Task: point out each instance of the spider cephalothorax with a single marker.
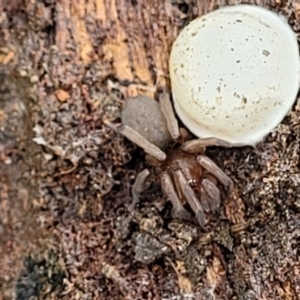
(186, 174)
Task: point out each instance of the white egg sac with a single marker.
(235, 73)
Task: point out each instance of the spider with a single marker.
(186, 174)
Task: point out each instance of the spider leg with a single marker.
(168, 112)
(204, 199)
(212, 168)
(199, 145)
(168, 188)
(213, 193)
(190, 196)
(139, 140)
(138, 187)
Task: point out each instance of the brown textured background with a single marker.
(66, 68)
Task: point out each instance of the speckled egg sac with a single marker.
(235, 73)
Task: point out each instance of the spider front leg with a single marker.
(210, 194)
(212, 168)
(138, 187)
(190, 196)
(178, 211)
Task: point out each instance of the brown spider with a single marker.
(187, 175)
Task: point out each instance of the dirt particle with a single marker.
(62, 95)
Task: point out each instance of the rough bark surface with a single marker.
(66, 68)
